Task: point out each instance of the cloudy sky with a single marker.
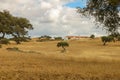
(53, 17)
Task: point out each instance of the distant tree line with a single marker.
(17, 27)
(48, 38)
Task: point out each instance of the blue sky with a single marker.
(77, 3)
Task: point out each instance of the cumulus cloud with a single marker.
(50, 17)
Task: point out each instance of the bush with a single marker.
(106, 39)
(63, 45)
(44, 38)
(4, 41)
(92, 36)
(58, 38)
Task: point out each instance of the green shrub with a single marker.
(63, 45)
(92, 36)
(45, 37)
(58, 38)
(4, 41)
(106, 39)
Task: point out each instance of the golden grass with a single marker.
(84, 60)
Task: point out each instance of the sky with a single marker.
(77, 3)
(53, 17)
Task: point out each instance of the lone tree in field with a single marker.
(63, 45)
(17, 27)
(92, 36)
(106, 39)
(105, 12)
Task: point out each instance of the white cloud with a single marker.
(50, 17)
(45, 5)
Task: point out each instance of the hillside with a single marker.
(84, 60)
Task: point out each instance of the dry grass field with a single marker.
(84, 59)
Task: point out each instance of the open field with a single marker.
(84, 60)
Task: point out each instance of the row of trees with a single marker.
(48, 38)
(109, 38)
(17, 27)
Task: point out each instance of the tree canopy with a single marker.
(92, 36)
(106, 12)
(63, 45)
(106, 39)
(15, 26)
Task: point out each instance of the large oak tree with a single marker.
(106, 12)
(15, 26)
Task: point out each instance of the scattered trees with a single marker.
(48, 38)
(63, 45)
(44, 38)
(17, 27)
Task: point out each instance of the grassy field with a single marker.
(84, 59)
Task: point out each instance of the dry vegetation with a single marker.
(84, 60)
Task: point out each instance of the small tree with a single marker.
(106, 39)
(92, 36)
(63, 45)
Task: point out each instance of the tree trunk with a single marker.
(3, 36)
(63, 49)
(16, 38)
(104, 43)
(17, 41)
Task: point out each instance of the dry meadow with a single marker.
(84, 59)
